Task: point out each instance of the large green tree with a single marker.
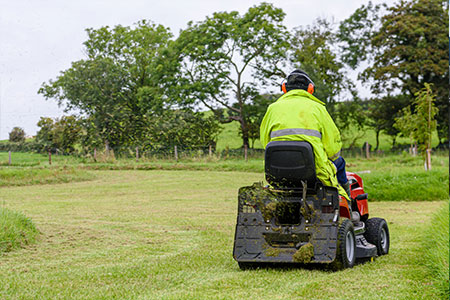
(123, 80)
(314, 51)
(408, 47)
(228, 58)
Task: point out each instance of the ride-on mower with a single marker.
(297, 219)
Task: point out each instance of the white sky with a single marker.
(40, 38)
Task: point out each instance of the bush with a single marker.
(16, 230)
(17, 135)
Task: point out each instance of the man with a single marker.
(299, 116)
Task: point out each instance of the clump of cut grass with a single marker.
(32, 176)
(304, 254)
(436, 250)
(16, 230)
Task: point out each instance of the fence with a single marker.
(177, 152)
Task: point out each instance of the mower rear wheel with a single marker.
(377, 233)
(346, 246)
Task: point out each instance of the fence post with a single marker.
(367, 150)
(10, 162)
(428, 161)
(95, 154)
(176, 152)
(245, 152)
(137, 154)
(49, 157)
(210, 151)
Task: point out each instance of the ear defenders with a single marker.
(283, 87)
(310, 88)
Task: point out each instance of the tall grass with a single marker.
(16, 230)
(436, 250)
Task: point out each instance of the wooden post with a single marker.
(367, 150)
(10, 162)
(245, 153)
(210, 151)
(95, 154)
(176, 153)
(137, 154)
(49, 157)
(428, 161)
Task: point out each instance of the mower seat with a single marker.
(288, 163)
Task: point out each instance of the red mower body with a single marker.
(357, 193)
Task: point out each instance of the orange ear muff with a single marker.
(310, 88)
(283, 87)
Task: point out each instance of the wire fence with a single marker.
(177, 153)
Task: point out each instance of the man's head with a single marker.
(298, 79)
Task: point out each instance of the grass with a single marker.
(21, 159)
(169, 235)
(16, 230)
(32, 176)
(402, 177)
(391, 177)
(436, 250)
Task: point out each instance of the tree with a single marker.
(254, 112)
(122, 81)
(44, 136)
(356, 33)
(59, 134)
(410, 49)
(66, 133)
(182, 128)
(314, 52)
(421, 124)
(382, 113)
(17, 135)
(219, 51)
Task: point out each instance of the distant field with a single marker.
(230, 138)
(169, 235)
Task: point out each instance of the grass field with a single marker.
(230, 138)
(387, 178)
(169, 235)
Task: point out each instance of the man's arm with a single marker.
(331, 137)
(264, 129)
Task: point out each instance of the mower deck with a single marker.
(277, 226)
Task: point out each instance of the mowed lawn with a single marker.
(169, 235)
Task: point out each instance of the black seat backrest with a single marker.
(287, 163)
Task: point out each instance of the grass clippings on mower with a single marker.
(304, 254)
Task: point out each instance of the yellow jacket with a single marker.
(299, 116)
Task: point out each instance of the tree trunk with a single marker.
(245, 139)
(378, 139)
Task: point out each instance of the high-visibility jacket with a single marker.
(299, 116)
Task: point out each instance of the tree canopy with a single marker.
(218, 51)
(406, 46)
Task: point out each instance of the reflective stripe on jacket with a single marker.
(299, 116)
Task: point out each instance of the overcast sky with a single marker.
(40, 38)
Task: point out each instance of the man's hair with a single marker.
(298, 79)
